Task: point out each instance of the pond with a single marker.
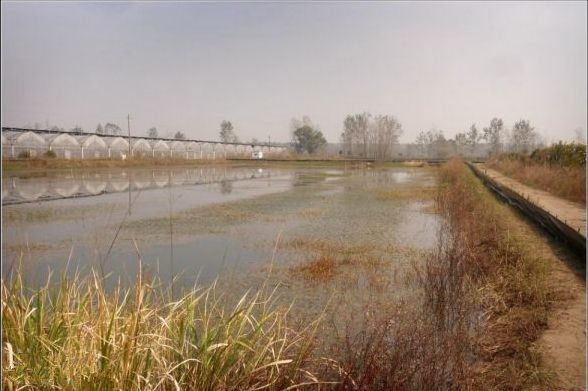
(197, 225)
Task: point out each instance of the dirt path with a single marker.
(563, 343)
(572, 213)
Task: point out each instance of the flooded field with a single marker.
(199, 224)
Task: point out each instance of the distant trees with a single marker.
(99, 129)
(473, 137)
(77, 129)
(494, 134)
(523, 137)
(112, 129)
(226, 133)
(179, 136)
(152, 132)
(306, 136)
(355, 134)
(369, 136)
(433, 143)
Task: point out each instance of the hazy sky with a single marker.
(188, 66)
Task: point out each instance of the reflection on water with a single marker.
(197, 223)
(17, 190)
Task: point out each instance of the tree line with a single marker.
(522, 138)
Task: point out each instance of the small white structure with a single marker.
(257, 155)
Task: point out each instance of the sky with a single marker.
(188, 66)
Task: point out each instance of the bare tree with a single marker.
(473, 138)
(112, 129)
(461, 141)
(356, 133)
(494, 134)
(179, 136)
(152, 132)
(523, 137)
(580, 136)
(226, 133)
(384, 133)
(99, 129)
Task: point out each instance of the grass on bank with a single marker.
(565, 182)
(78, 336)
(483, 302)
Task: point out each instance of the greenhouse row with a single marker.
(66, 146)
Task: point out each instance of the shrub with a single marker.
(50, 154)
(24, 155)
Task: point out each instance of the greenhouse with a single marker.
(117, 147)
(64, 146)
(208, 151)
(161, 149)
(178, 149)
(93, 147)
(192, 150)
(23, 145)
(141, 148)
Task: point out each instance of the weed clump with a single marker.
(78, 337)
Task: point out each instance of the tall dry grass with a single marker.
(78, 336)
(483, 302)
(565, 182)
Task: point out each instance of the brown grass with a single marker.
(49, 164)
(565, 182)
(484, 302)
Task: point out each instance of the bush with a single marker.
(24, 155)
(561, 154)
(50, 154)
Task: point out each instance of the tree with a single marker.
(473, 137)
(307, 138)
(461, 140)
(356, 133)
(179, 136)
(433, 143)
(580, 136)
(383, 133)
(493, 134)
(152, 132)
(112, 129)
(226, 133)
(77, 129)
(99, 129)
(523, 137)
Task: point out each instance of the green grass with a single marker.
(78, 336)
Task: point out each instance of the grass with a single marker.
(78, 336)
(565, 182)
(480, 301)
(55, 163)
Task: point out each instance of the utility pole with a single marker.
(129, 129)
(269, 143)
